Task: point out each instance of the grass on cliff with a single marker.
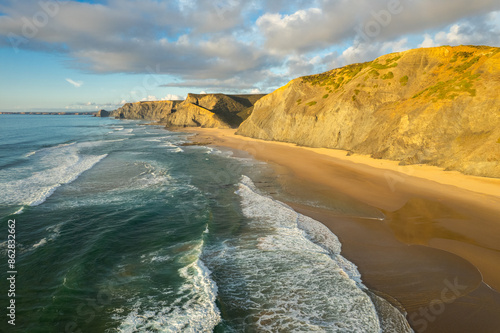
(449, 89)
(404, 80)
(460, 78)
(388, 76)
(389, 63)
(466, 65)
(464, 55)
(337, 78)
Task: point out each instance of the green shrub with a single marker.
(467, 65)
(356, 92)
(326, 96)
(404, 80)
(388, 76)
(380, 66)
(312, 103)
(449, 89)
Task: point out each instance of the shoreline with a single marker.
(439, 229)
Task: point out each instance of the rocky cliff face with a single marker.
(146, 110)
(213, 110)
(208, 110)
(439, 106)
(103, 114)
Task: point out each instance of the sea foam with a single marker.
(53, 167)
(192, 311)
(285, 271)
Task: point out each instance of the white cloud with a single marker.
(153, 98)
(89, 106)
(466, 33)
(428, 41)
(395, 46)
(76, 84)
(363, 52)
(372, 21)
(150, 98)
(171, 97)
(239, 45)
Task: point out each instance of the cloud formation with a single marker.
(76, 84)
(237, 44)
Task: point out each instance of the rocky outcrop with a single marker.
(213, 110)
(146, 110)
(103, 114)
(438, 106)
(207, 110)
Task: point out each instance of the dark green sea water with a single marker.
(119, 228)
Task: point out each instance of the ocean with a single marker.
(121, 228)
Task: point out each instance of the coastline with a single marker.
(440, 231)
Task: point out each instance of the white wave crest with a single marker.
(58, 165)
(287, 271)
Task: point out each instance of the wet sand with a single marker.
(429, 241)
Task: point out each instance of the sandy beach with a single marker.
(433, 248)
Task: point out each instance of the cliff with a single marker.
(198, 110)
(213, 110)
(102, 114)
(146, 110)
(438, 106)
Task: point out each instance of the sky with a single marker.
(91, 55)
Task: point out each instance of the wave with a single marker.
(19, 211)
(49, 148)
(54, 232)
(172, 148)
(31, 153)
(56, 166)
(177, 150)
(193, 309)
(117, 140)
(286, 270)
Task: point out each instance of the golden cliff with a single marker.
(146, 110)
(439, 106)
(202, 110)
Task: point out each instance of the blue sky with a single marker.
(88, 55)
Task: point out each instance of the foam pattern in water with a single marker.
(284, 273)
(51, 168)
(193, 309)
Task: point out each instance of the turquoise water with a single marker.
(119, 228)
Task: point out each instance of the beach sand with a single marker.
(430, 240)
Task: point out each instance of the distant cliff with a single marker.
(103, 114)
(203, 110)
(146, 110)
(439, 106)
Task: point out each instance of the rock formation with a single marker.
(439, 106)
(207, 110)
(213, 110)
(146, 110)
(103, 114)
